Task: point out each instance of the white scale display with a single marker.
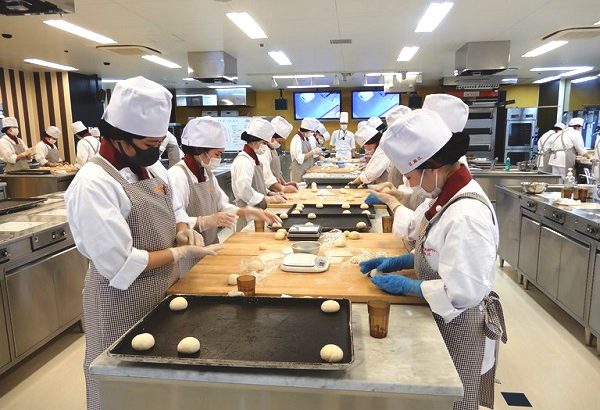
(304, 263)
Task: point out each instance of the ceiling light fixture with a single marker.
(597, 23)
(247, 24)
(291, 77)
(161, 61)
(433, 16)
(407, 53)
(280, 57)
(49, 64)
(110, 80)
(545, 48)
(577, 71)
(231, 86)
(192, 95)
(584, 79)
(309, 86)
(510, 80)
(79, 31)
(547, 79)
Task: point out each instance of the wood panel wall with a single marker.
(38, 100)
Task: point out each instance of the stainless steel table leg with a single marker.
(501, 262)
(520, 277)
(589, 337)
(525, 283)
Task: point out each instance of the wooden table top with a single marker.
(342, 280)
(332, 169)
(307, 196)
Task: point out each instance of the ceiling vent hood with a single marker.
(213, 67)
(482, 58)
(27, 7)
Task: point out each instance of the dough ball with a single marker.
(347, 187)
(282, 230)
(295, 212)
(276, 225)
(234, 293)
(309, 224)
(346, 211)
(366, 212)
(343, 191)
(330, 306)
(283, 216)
(361, 225)
(256, 265)
(232, 279)
(279, 235)
(312, 216)
(364, 206)
(142, 342)
(346, 233)
(314, 190)
(340, 243)
(263, 246)
(329, 187)
(178, 303)
(345, 206)
(373, 273)
(354, 235)
(313, 185)
(188, 345)
(319, 206)
(332, 353)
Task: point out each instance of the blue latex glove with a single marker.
(387, 265)
(373, 200)
(398, 284)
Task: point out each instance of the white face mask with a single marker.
(275, 145)
(261, 150)
(344, 127)
(213, 163)
(308, 134)
(420, 191)
(14, 132)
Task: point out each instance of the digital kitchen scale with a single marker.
(304, 232)
(304, 263)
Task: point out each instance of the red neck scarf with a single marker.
(116, 159)
(248, 150)
(48, 144)
(454, 183)
(301, 135)
(193, 166)
(13, 139)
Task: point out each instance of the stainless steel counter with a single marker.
(27, 186)
(488, 179)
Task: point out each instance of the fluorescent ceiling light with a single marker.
(291, 77)
(597, 23)
(555, 68)
(110, 80)
(309, 86)
(545, 48)
(79, 31)
(160, 61)
(407, 53)
(509, 80)
(584, 79)
(577, 71)
(547, 79)
(413, 73)
(247, 24)
(230, 86)
(49, 64)
(280, 57)
(373, 85)
(433, 16)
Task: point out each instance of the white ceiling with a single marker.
(378, 29)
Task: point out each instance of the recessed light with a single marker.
(79, 31)
(309, 86)
(299, 76)
(49, 64)
(555, 68)
(110, 80)
(584, 79)
(433, 16)
(407, 53)
(547, 79)
(247, 24)
(280, 57)
(231, 86)
(160, 61)
(553, 45)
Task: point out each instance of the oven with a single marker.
(521, 130)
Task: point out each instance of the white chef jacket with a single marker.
(41, 151)
(242, 172)
(97, 209)
(543, 139)
(572, 140)
(313, 141)
(296, 150)
(347, 144)
(87, 147)
(181, 190)
(378, 164)
(7, 149)
(265, 160)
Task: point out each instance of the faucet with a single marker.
(493, 163)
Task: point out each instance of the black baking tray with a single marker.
(331, 209)
(343, 222)
(30, 172)
(263, 332)
(8, 206)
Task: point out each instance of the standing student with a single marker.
(301, 150)
(543, 156)
(87, 144)
(343, 140)
(13, 150)
(270, 158)
(565, 146)
(46, 151)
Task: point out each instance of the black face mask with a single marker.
(143, 157)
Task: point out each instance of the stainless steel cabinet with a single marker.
(69, 269)
(595, 304)
(4, 348)
(572, 282)
(529, 246)
(509, 218)
(549, 260)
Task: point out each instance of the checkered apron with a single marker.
(465, 335)
(276, 164)
(109, 312)
(21, 164)
(298, 170)
(258, 184)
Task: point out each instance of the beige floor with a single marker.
(545, 358)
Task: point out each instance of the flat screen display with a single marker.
(320, 105)
(367, 104)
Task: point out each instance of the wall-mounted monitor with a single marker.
(319, 105)
(367, 104)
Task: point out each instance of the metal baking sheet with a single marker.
(343, 222)
(285, 333)
(8, 206)
(30, 172)
(331, 209)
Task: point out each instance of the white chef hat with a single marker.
(204, 132)
(78, 126)
(309, 124)
(260, 128)
(559, 125)
(53, 132)
(281, 126)
(139, 106)
(344, 117)
(361, 124)
(323, 131)
(9, 122)
(576, 121)
(95, 131)
(375, 122)
(415, 139)
(364, 134)
(396, 113)
(453, 110)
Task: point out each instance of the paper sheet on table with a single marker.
(54, 212)
(18, 226)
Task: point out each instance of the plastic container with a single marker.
(247, 284)
(507, 164)
(379, 314)
(311, 247)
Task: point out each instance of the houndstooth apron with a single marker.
(465, 335)
(276, 165)
(298, 170)
(109, 312)
(258, 184)
(53, 155)
(21, 164)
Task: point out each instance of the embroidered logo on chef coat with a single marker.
(428, 251)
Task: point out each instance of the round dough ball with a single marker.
(373, 273)
(361, 225)
(295, 212)
(340, 243)
(347, 211)
(343, 191)
(276, 225)
(309, 224)
(188, 345)
(142, 342)
(366, 212)
(319, 206)
(232, 279)
(279, 235)
(330, 306)
(263, 246)
(347, 187)
(178, 303)
(346, 233)
(345, 206)
(329, 187)
(256, 265)
(332, 353)
(313, 185)
(354, 235)
(283, 216)
(282, 230)
(364, 206)
(235, 292)
(312, 216)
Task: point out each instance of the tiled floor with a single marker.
(545, 358)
